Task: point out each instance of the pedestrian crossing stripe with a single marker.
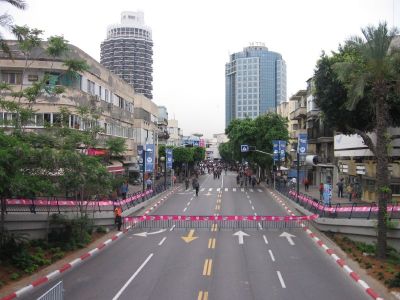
(242, 189)
(218, 189)
(210, 189)
(202, 190)
(251, 190)
(234, 189)
(226, 189)
(260, 190)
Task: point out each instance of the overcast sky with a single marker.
(193, 40)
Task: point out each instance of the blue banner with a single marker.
(168, 152)
(279, 149)
(140, 157)
(149, 158)
(302, 143)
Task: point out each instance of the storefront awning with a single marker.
(116, 167)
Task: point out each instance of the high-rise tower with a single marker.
(255, 82)
(128, 52)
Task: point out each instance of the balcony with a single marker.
(299, 113)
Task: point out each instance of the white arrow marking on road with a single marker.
(289, 237)
(241, 234)
(145, 234)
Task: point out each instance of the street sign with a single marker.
(244, 148)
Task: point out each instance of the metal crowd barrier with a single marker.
(340, 210)
(217, 222)
(55, 205)
(55, 293)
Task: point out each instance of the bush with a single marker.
(57, 255)
(101, 229)
(366, 248)
(68, 234)
(394, 282)
(14, 276)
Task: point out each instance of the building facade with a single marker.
(120, 111)
(175, 133)
(255, 83)
(128, 52)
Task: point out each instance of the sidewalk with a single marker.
(313, 191)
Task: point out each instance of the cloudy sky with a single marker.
(193, 40)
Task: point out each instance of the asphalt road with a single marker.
(214, 265)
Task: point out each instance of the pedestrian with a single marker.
(118, 217)
(321, 190)
(306, 184)
(124, 189)
(349, 191)
(253, 181)
(187, 182)
(148, 183)
(340, 188)
(196, 185)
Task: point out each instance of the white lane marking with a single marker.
(265, 239)
(250, 201)
(132, 277)
(256, 215)
(191, 199)
(234, 189)
(272, 255)
(281, 280)
(259, 225)
(248, 197)
(188, 203)
(185, 209)
(226, 189)
(162, 241)
(172, 228)
(252, 207)
(210, 189)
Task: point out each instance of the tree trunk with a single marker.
(2, 221)
(382, 173)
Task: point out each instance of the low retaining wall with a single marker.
(362, 230)
(34, 226)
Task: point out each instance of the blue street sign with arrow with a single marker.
(244, 148)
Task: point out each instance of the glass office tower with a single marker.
(255, 83)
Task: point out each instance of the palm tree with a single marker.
(6, 21)
(374, 77)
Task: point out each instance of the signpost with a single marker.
(244, 148)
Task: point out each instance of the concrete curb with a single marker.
(76, 262)
(341, 262)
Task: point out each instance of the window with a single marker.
(100, 92)
(90, 87)
(33, 77)
(47, 118)
(395, 189)
(106, 96)
(12, 77)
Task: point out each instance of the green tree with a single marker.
(357, 89)
(6, 22)
(198, 154)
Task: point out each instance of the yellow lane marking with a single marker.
(190, 236)
(214, 227)
(207, 267)
(202, 295)
(211, 243)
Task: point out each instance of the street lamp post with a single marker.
(162, 158)
(144, 167)
(298, 173)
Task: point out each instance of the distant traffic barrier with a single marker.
(217, 222)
